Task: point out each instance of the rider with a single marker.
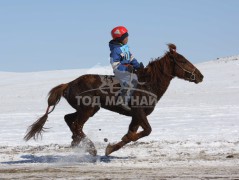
(123, 63)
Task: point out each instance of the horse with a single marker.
(156, 78)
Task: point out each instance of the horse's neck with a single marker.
(162, 89)
(163, 78)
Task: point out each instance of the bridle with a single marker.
(192, 74)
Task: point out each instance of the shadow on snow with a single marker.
(69, 159)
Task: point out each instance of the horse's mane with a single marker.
(155, 69)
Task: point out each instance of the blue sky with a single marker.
(51, 35)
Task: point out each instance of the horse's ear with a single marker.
(172, 48)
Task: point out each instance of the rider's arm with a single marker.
(115, 60)
(134, 62)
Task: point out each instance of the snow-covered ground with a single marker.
(195, 130)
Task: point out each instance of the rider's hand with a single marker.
(130, 68)
(141, 65)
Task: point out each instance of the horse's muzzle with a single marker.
(198, 76)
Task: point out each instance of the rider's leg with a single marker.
(128, 82)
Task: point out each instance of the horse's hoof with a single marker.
(89, 146)
(74, 144)
(92, 152)
(108, 150)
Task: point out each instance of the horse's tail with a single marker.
(37, 127)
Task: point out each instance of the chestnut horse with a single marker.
(156, 77)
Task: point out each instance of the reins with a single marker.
(192, 77)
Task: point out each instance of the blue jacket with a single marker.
(120, 56)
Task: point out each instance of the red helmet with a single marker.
(118, 31)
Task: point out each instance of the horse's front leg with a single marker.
(115, 147)
(132, 134)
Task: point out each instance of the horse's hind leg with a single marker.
(76, 123)
(71, 121)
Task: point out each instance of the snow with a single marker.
(194, 126)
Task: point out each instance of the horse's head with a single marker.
(181, 67)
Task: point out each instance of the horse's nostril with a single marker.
(201, 77)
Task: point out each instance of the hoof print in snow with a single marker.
(230, 156)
